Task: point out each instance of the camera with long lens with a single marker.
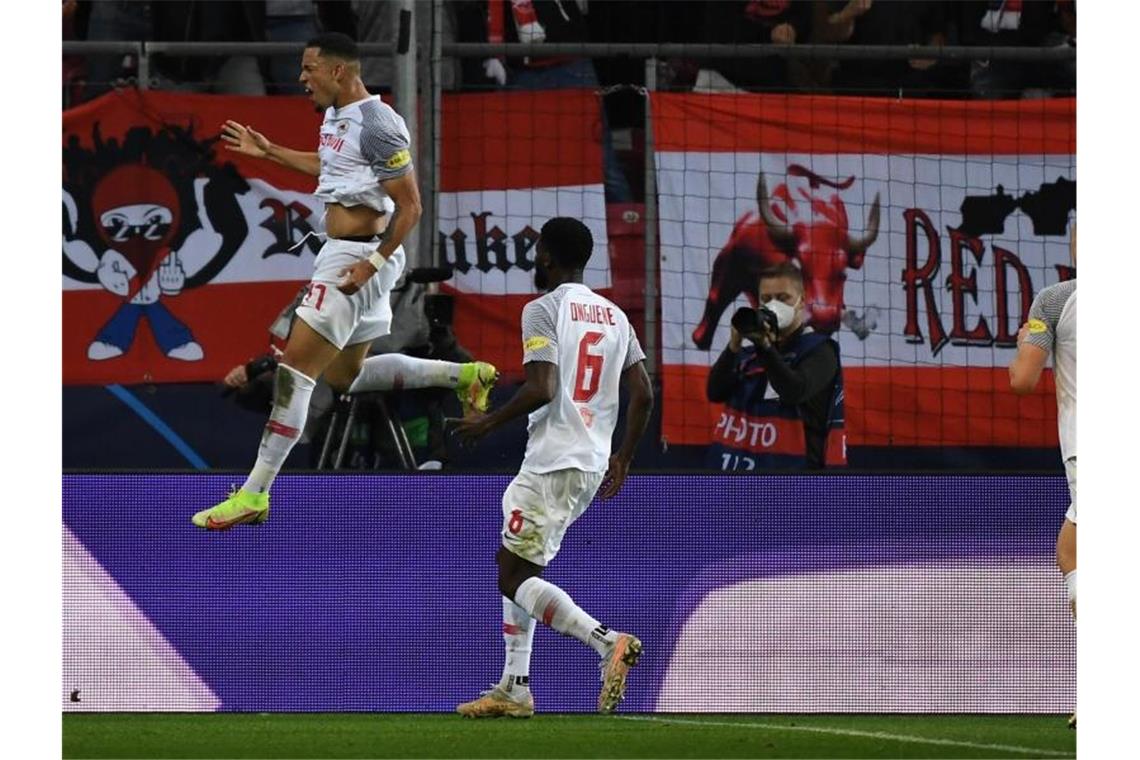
(749, 321)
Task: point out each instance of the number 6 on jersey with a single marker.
(588, 376)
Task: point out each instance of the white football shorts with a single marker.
(539, 507)
(365, 315)
(1071, 475)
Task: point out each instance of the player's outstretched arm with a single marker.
(636, 381)
(244, 139)
(539, 388)
(1025, 369)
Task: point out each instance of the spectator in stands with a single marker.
(287, 21)
(118, 20)
(537, 22)
(862, 22)
(783, 394)
(300, 21)
(751, 22)
(1010, 23)
(380, 23)
(74, 66)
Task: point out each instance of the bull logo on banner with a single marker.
(811, 230)
(146, 219)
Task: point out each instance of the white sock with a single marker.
(1071, 589)
(291, 392)
(554, 607)
(518, 635)
(387, 372)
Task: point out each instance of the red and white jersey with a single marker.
(361, 145)
(591, 343)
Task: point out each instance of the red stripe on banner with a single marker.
(502, 140)
(826, 124)
(510, 629)
(894, 406)
(230, 323)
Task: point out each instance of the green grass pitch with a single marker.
(362, 735)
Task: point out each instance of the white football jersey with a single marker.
(360, 146)
(591, 343)
(1053, 327)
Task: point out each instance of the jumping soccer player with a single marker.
(577, 347)
(372, 202)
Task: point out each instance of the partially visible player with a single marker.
(578, 347)
(372, 202)
(1052, 329)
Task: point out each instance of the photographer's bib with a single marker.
(756, 432)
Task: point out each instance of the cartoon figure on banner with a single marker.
(147, 206)
(811, 231)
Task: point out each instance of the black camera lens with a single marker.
(746, 320)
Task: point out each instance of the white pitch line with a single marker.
(855, 732)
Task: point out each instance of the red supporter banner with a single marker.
(511, 161)
(923, 229)
(178, 254)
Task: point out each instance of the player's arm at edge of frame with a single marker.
(1026, 367)
(636, 381)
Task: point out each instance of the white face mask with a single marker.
(785, 314)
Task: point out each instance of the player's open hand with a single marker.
(472, 428)
(614, 477)
(353, 278)
(245, 139)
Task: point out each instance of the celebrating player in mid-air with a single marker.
(372, 202)
(577, 348)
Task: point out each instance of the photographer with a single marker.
(783, 394)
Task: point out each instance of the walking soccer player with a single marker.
(577, 348)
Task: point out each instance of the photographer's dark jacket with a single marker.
(783, 407)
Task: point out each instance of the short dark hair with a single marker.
(569, 242)
(336, 45)
(788, 270)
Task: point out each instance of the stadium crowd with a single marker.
(1032, 23)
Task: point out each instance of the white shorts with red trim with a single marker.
(539, 507)
(365, 315)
